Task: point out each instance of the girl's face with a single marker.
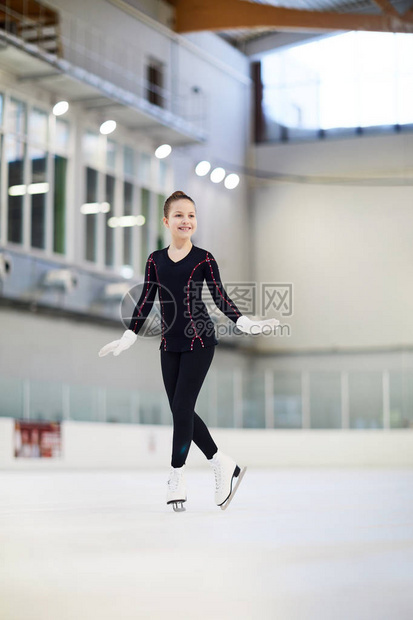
(181, 220)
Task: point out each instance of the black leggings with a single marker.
(183, 375)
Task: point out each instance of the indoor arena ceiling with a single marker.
(244, 23)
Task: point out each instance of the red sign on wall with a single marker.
(37, 439)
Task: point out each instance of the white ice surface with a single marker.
(293, 545)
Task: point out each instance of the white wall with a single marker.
(346, 249)
(103, 446)
(42, 348)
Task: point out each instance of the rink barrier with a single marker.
(88, 445)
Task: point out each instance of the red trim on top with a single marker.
(212, 274)
(189, 309)
(150, 259)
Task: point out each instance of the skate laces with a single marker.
(217, 472)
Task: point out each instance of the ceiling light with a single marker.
(17, 190)
(107, 127)
(60, 108)
(203, 168)
(231, 181)
(217, 175)
(89, 208)
(38, 188)
(163, 151)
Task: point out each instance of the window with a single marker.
(145, 205)
(38, 190)
(109, 231)
(90, 148)
(62, 135)
(128, 161)
(16, 117)
(160, 227)
(91, 218)
(145, 169)
(111, 153)
(162, 174)
(154, 79)
(357, 79)
(61, 148)
(38, 121)
(15, 156)
(36, 150)
(59, 204)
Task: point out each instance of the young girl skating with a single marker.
(188, 341)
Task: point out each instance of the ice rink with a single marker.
(293, 545)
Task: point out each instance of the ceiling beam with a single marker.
(196, 15)
(387, 7)
(260, 45)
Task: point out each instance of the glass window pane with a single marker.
(401, 399)
(160, 227)
(11, 398)
(118, 406)
(46, 401)
(84, 403)
(253, 399)
(325, 400)
(163, 170)
(348, 80)
(16, 116)
(405, 99)
(109, 231)
(128, 230)
(366, 399)
(287, 400)
(15, 153)
(145, 169)
(145, 201)
(128, 161)
(62, 135)
(91, 218)
(2, 206)
(111, 152)
(38, 121)
(377, 101)
(38, 190)
(150, 408)
(59, 205)
(339, 104)
(225, 398)
(90, 148)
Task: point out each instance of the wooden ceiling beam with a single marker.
(215, 15)
(387, 7)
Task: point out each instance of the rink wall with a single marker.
(87, 445)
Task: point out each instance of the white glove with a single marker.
(117, 346)
(248, 326)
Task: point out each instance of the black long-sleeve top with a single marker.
(185, 321)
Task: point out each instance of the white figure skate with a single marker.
(176, 494)
(225, 470)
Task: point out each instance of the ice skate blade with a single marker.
(178, 506)
(225, 505)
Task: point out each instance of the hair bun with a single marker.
(178, 195)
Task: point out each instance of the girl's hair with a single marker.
(175, 196)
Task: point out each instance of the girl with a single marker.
(187, 343)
